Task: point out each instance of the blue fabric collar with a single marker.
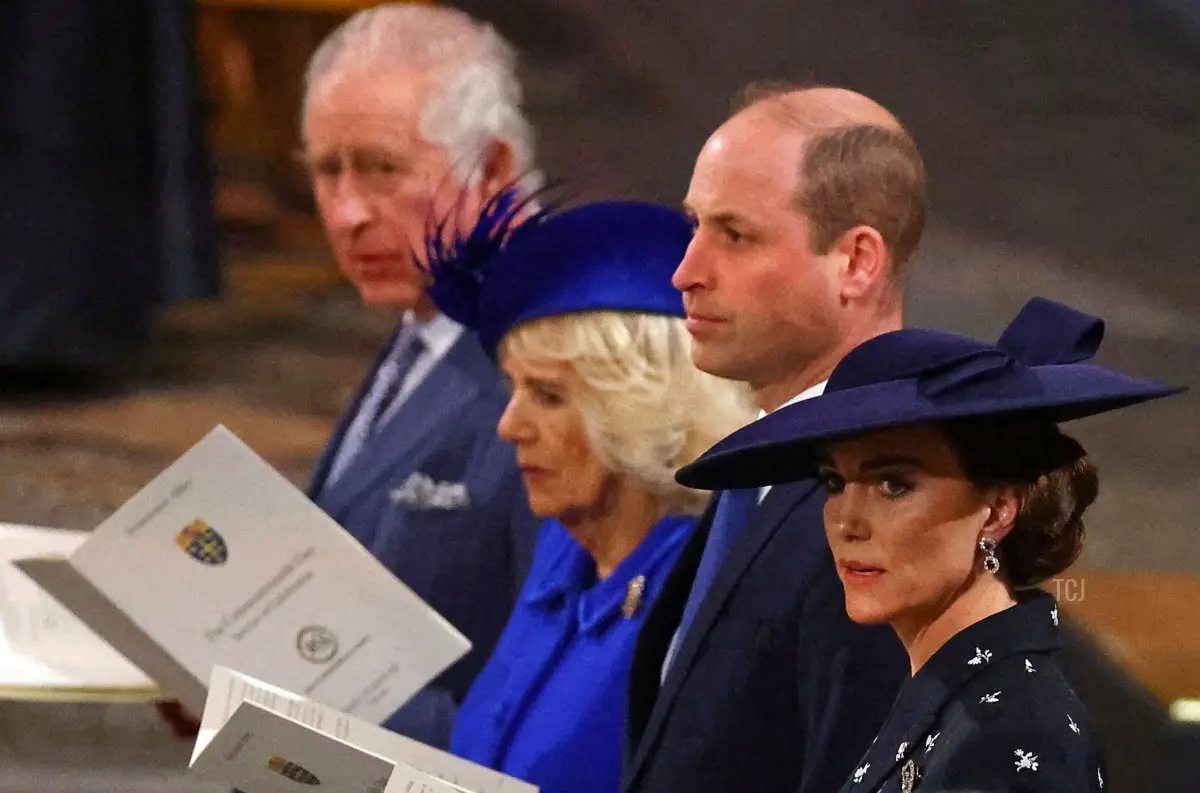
(570, 581)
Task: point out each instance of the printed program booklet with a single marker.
(221, 560)
(259, 738)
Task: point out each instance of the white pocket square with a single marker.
(424, 493)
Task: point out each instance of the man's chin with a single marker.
(386, 298)
(716, 363)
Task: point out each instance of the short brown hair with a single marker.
(856, 174)
(1054, 477)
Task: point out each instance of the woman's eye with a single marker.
(894, 488)
(548, 398)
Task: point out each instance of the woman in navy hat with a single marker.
(952, 494)
(578, 308)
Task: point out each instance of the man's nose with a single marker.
(349, 210)
(691, 271)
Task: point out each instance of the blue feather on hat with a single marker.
(457, 263)
(520, 261)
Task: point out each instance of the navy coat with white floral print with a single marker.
(990, 712)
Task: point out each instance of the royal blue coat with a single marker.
(550, 705)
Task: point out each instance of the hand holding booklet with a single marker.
(221, 560)
(262, 739)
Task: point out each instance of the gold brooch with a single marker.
(633, 597)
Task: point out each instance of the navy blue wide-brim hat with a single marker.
(515, 265)
(921, 376)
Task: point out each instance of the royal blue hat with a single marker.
(509, 269)
(920, 376)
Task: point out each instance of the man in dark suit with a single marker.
(748, 674)
(412, 112)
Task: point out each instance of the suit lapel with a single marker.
(766, 520)
(906, 734)
(654, 639)
(330, 452)
(448, 387)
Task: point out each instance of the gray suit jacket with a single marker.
(467, 556)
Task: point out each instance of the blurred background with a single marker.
(179, 279)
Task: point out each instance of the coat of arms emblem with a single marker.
(292, 771)
(202, 542)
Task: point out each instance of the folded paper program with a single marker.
(221, 560)
(261, 738)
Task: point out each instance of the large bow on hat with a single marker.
(1044, 333)
(917, 376)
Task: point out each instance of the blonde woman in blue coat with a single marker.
(578, 308)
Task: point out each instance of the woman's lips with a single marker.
(858, 573)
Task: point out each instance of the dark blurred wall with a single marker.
(105, 197)
(1179, 19)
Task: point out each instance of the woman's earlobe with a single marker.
(1003, 514)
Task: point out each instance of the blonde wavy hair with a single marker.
(646, 409)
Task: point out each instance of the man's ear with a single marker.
(461, 203)
(865, 261)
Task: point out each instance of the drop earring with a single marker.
(991, 562)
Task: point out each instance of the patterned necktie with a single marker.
(396, 375)
(732, 514)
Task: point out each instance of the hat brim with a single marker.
(786, 446)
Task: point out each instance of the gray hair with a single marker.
(476, 97)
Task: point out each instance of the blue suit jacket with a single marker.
(990, 712)
(468, 563)
(773, 688)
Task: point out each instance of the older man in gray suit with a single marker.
(412, 112)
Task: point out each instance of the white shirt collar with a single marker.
(808, 393)
(438, 333)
